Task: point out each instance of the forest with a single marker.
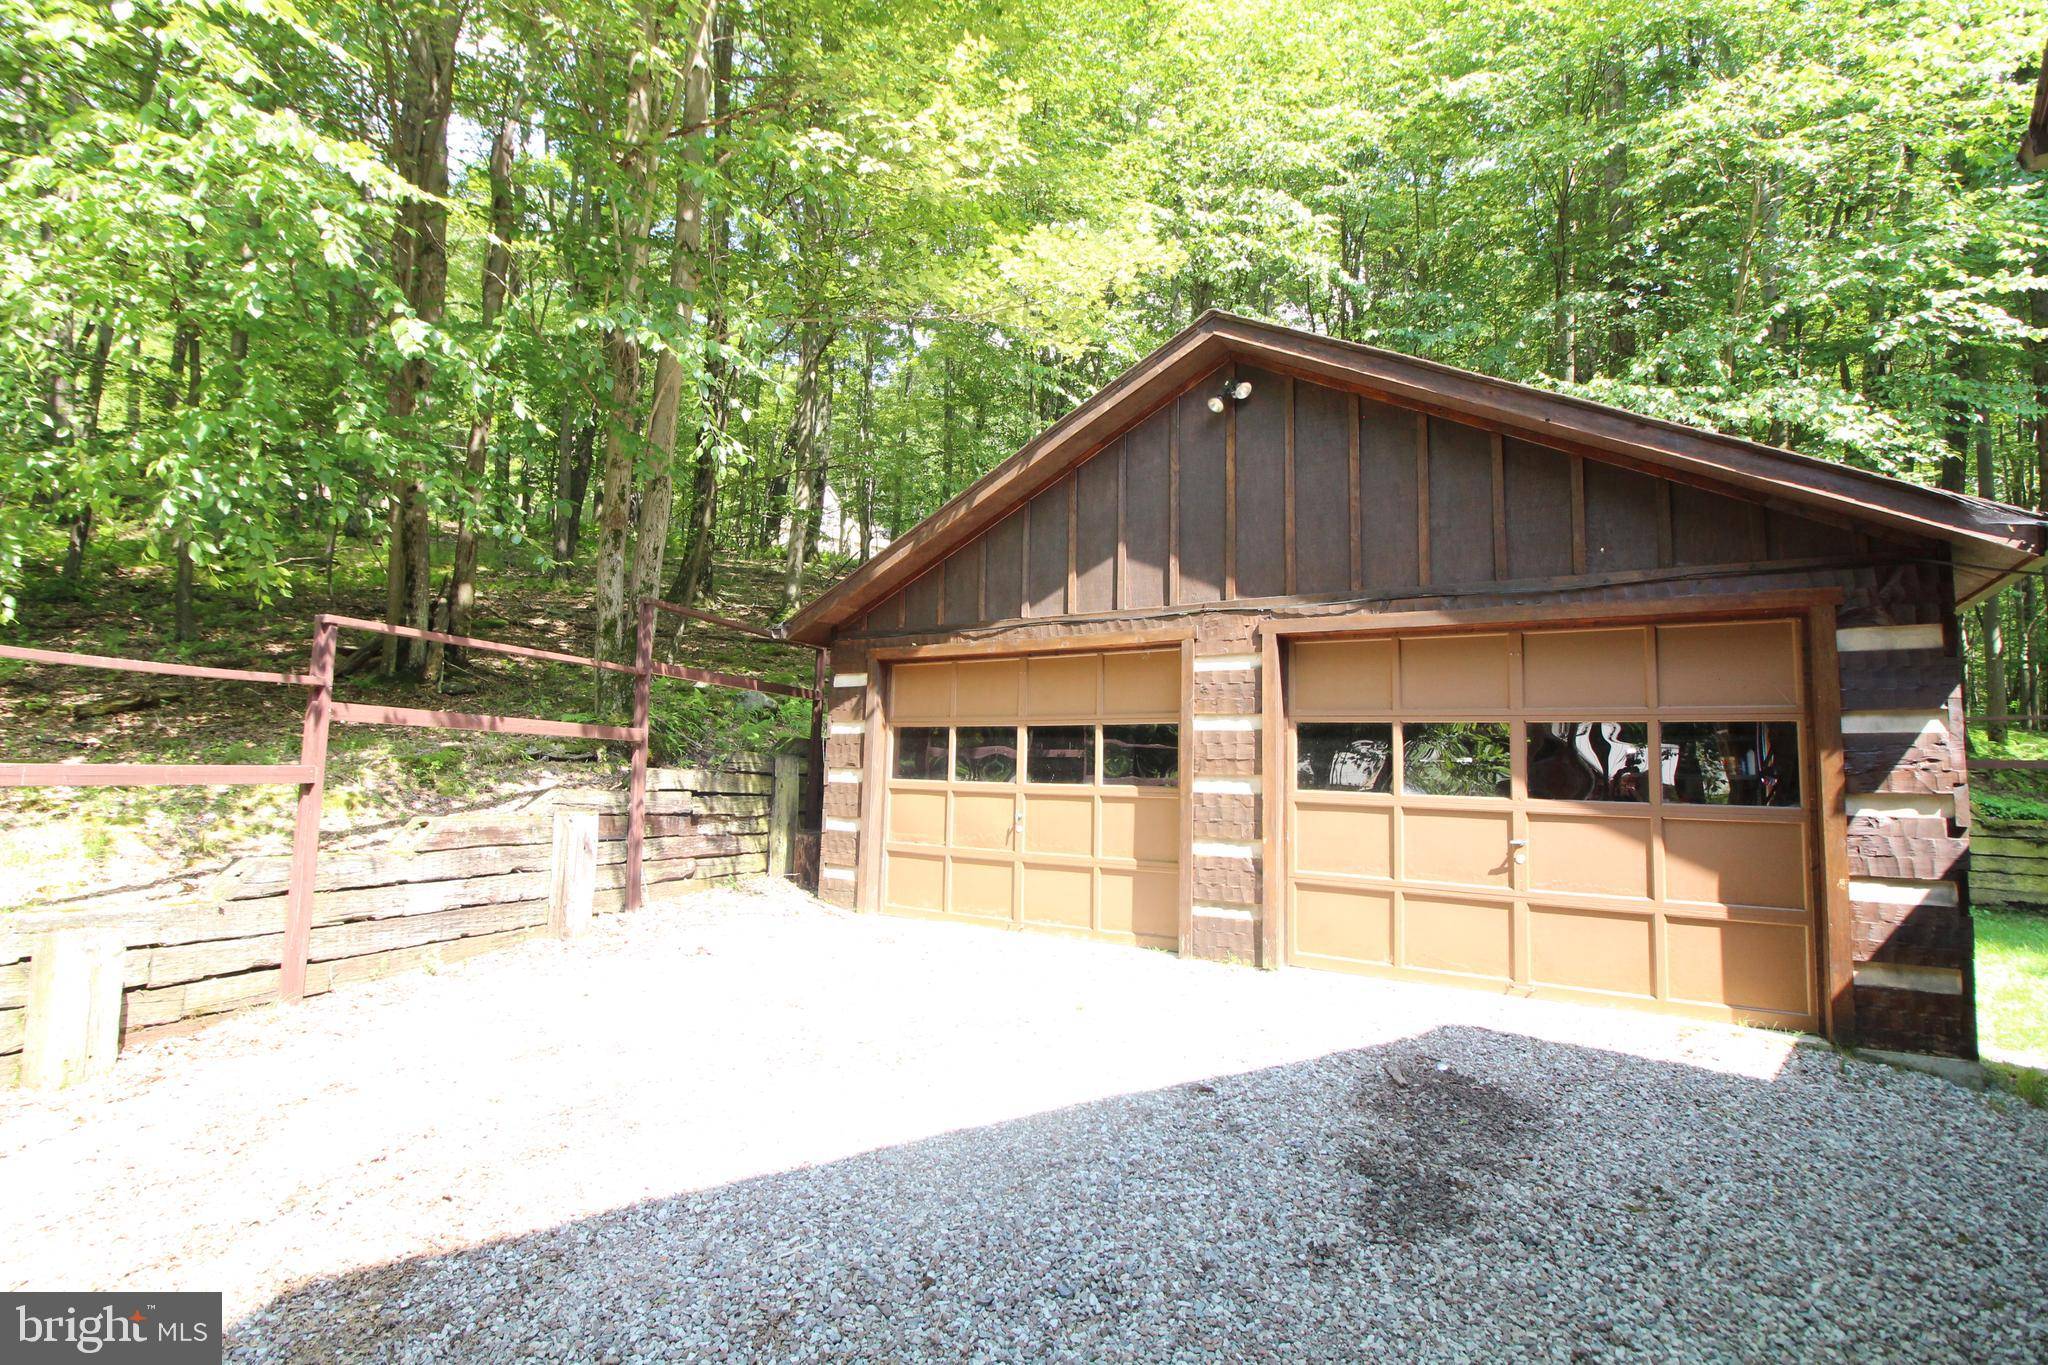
(620, 292)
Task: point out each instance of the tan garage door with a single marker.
(1485, 809)
(1039, 792)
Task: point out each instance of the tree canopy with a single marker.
(642, 279)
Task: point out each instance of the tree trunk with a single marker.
(476, 452)
(80, 530)
(419, 264)
(1990, 616)
(622, 353)
(650, 537)
(809, 429)
(186, 628)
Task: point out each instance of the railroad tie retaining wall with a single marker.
(2009, 863)
(438, 891)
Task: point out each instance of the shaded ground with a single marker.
(746, 1126)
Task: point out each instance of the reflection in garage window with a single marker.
(1731, 763)
(1061, 753)
(985, 753)
(1344, 758)
(1455, 758)
(1141, 755)
(1589, 760)
(921, 753)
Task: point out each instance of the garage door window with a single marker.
(1141, 755)
(921, 753)
(1061, 753)
(1732, 763)
(1345, 758)
(1455, 758)
(985, 753)
(1589, 760)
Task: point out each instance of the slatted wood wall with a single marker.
(1302, 490)
(442, 891)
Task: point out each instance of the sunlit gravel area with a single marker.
(744, 1126)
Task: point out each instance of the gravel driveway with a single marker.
(743, 1125)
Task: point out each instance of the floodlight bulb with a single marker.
(1241, 390)
(1216, 403)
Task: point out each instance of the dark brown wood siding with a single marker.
(1304, 490)
(1390, 458)
(1095, 517)
(1045, 575)
(1460, 503)
(1201, 440)
(1323, 445)
(1260, 505)
(1148, 520)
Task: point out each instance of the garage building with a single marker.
(1293, 652)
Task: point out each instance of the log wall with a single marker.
(438, 891)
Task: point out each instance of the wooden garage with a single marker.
(1292, 652)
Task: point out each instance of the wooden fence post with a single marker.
(298, 914)
(784, 804)
(572, 887)
(74, 1008)
(636, 790)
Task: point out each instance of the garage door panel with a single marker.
(1059, 824)
(1344, 925)
(988, 816)
(1144, 684)
(1454, 672)
(984, 819)
(1735, 862)
(1744, 663)
(1579, 669)
(983, 890)
(1062, 896)
(1344, 839)
(991, 689)
(1063, 685)
(1743, 965)
(920, 692)
(918, 817)
(1472, 938)
(917, 881)
(1141, 828)
(1341, 675)
(1524, 838)
(1590, 855)
(1584, 950)
(1457, 847)
(1142, 903)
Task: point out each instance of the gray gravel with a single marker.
(745, 1126)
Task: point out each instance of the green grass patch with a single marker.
(2012, 981)
(2018, 743)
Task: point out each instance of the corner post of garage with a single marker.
(1824, 688)
(1273, 795)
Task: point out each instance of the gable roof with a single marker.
(1991, 540)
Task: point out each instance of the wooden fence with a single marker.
(2009, 863)
(438, 891)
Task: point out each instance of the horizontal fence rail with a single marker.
(323, 712)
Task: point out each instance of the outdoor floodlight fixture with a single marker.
(1232, 393)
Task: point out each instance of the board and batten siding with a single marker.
(1307, 501)
(1304, 491)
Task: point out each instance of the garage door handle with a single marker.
(1518, 843)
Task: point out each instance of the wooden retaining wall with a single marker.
(438, 891)
(2009, 863)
